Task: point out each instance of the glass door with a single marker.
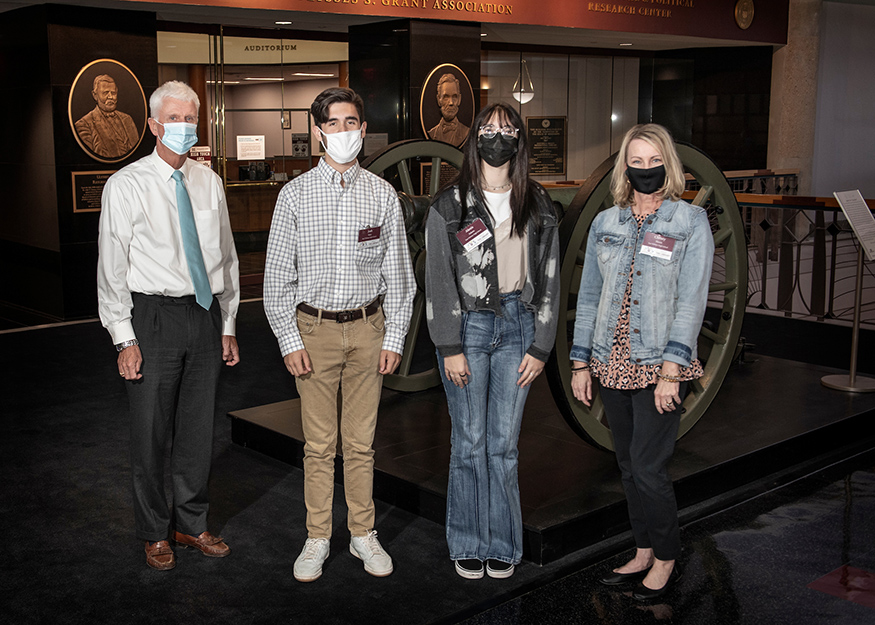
(257, 136)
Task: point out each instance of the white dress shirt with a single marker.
(314, 253)
(140, 242)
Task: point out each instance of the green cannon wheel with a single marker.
(717, 340)
(409, 166)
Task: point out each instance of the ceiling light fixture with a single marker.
(282, 23)
(266, 79)
(313, 75)
(625, 45)
(523, 89)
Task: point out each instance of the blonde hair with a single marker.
(660, 138)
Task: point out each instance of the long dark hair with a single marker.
(522, 202)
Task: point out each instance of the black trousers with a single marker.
(644, 442)
(173, 403)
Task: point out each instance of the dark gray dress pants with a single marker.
(172, 409)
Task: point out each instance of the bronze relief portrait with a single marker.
(446, 105)
(107, 110)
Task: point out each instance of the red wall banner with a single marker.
(760, 21)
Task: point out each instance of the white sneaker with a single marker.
(308, 566)
(368, 549)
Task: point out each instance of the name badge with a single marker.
(366, 235)
(472, 236)
(658, 245)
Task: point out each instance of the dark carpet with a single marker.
(70, 555)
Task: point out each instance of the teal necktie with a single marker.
(191, 244)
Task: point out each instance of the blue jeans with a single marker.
(484, 519)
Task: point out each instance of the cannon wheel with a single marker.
(716, 345)
(398, 158)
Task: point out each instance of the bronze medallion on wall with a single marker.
(744, 13)
(446, 105)
(107, 110)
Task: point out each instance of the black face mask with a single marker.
(498, 150)
(646, 181)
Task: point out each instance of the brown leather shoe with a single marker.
(160, 556)
(208, 544)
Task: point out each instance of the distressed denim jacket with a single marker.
(457, 281)
(668, 295)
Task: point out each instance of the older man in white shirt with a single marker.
(168, 292)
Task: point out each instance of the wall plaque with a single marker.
(107, 110)
(446, 105)
(88, 189)
(447, 173)
(546, 136)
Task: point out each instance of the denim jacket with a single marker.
(457, 281)
(668, 295)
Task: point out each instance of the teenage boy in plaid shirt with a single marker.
(338, 292)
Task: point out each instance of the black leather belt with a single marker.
(341, 316)
(167, 299)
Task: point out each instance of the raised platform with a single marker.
(772, 419)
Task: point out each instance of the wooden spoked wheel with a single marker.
(410, 167)
(717, 340)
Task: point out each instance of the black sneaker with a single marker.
(498, 569)
(469, 569)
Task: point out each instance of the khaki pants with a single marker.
(345, 357)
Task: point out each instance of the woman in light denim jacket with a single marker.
(492, 297)
(641, 303)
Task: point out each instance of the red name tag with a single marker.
(369, 234)
(473, 235)
(658, 245)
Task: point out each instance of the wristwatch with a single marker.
(130, 343)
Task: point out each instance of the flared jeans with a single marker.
(484, 519)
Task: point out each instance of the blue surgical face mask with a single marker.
(179, 137)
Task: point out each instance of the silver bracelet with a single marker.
(125, 344)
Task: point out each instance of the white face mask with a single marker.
(342, 147)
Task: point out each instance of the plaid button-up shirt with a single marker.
(315, 255)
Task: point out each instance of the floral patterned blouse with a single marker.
(620, 372)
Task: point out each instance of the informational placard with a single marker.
(300, 144)
(88, 188)
(201, 154)
(250, 147)
(860, 217)
(546, 136)
(448, 172)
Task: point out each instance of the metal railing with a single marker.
(802, 259)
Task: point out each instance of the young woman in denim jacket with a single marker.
(639, 310)
(492, 295)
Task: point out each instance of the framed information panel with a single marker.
(547, 145)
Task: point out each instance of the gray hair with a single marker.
(173, 89)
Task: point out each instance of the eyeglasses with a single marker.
(490, 130)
